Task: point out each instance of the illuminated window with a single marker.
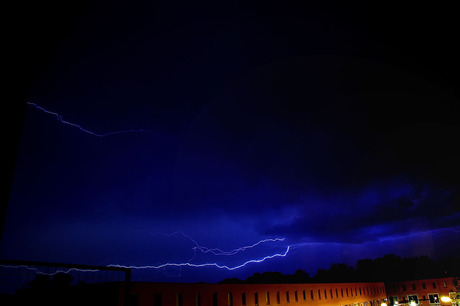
(393, 300)
(444, 284)
(434, 298)
(243, 298)
(412, 299)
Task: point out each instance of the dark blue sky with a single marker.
(334, 127)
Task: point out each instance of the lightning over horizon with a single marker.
(211, 264)
(61, 120)
(217, 251)
(206, 250)
(196, 246)
(38, 271)
(180, 265)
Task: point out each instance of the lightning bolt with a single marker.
(212, 264)
(203, 249)
(216, 251)
(180, 265)
(61, 120)
(162, 266)
(38, 271)
(177, 265)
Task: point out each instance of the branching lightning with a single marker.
(216, 251)
(212, 264)
(162, 266)
(197, 246)
(60, 119)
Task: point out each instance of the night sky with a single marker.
(186, 126)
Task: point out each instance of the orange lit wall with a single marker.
(334, 294)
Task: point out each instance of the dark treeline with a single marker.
(383, 269)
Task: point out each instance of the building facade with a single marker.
(425, 292)
(334, 294)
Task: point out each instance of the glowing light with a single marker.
(212, 264)
(59, 118)
(383, 304)
(446, 299)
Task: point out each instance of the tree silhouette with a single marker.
(383, 269)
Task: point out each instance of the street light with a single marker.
(446, 299)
